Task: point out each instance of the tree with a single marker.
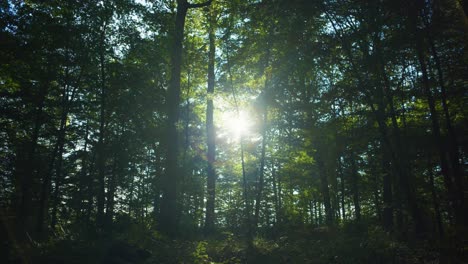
(210, 128)
(169, 185)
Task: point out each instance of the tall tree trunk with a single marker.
(380, 117)
(111, 187)
(437, 136)
(435, 200)
(45, 190)
(101, 145)
(387, 193)
(355, 187)
(157, 182)
(342, 187)
(325, 192)
(405, 179)
(454, 154)
(58, 174)
(67, 99)
(279, 196)
(26, 169)
(262, 166)
(210, 129)
(275, 192)
(413, 15)
(83, 175)
(168, 223)
(91, 187)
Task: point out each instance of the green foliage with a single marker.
(199, 255)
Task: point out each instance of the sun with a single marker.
(235, 124)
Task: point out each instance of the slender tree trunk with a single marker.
(210, 130)
(335, 200)
(355, 187)
(45, 190)
(58, 174)
(83, 175)
(101, 145)
(435, 200)
(91, 189)
(387, 193)
(320, 215)
(157, 184)
(449, 184)
(275, 193)
(111, 187)
(26, 172)
(325, 192)
(414, 15)
(380, 116)
(262, 167)
(280, 198)
(452, 140)
(342, 187)
(66, 104)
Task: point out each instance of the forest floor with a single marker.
(349, 244)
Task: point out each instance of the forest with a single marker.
(233, 131)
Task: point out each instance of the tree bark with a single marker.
(387, 193)
(325, 192)
(454, 154)
(83, 175)
(210, 130)
(262, 166)
(101, 145)
(168, 223)
(342, 187)
(26, 172)
(355, 187)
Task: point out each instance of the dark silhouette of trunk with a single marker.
(111, 187)
(436, 132)
(83, 175)
(91, 187)
(157, 183)
(435, 200)
(275, 192)
(247, 203)
(57, 154)
(262, 166)
(210, 130)
(335, 200)
(58, 177)
(320, 215)
(66, 104)
(342, 187)
(45, 190)
(387, 192)
(454, 154)
(168, 223)
(101, 155)
(325, 192)
(414, 11)
(377, 204)
(355, 187)
(403, 175)
(26, 169)
(403, 180)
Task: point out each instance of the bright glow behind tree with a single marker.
(233, 125)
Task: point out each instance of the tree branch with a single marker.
(207, 3)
